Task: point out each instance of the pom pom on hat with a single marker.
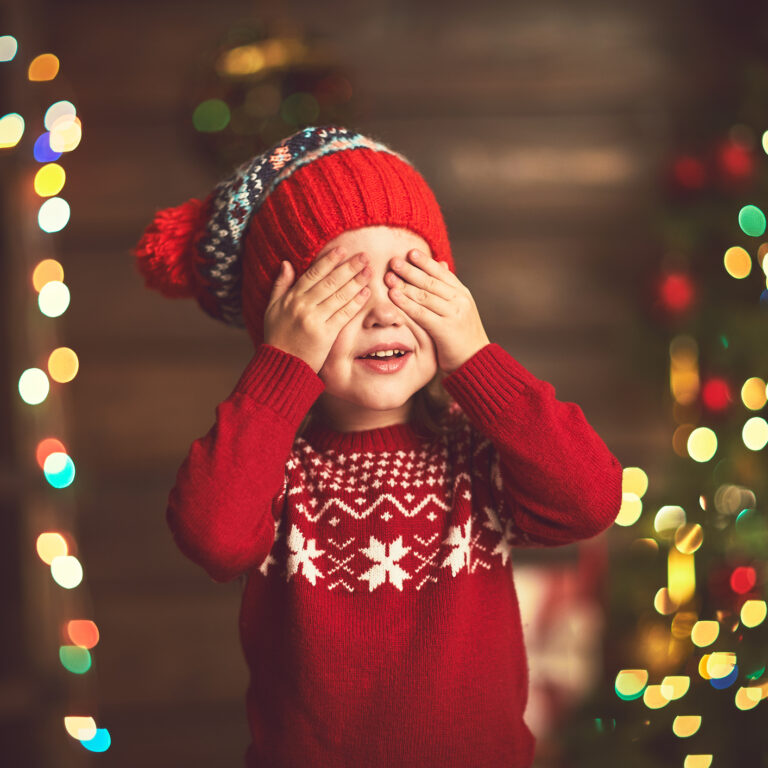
(166, 253)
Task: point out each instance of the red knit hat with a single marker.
(284, 204)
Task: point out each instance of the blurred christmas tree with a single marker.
(685, 677)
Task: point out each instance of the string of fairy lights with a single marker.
(732, 507)
(60, 132)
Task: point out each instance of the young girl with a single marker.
(372, 502)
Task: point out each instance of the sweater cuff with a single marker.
(282, 382)
(488, 383)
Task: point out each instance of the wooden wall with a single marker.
(540, 127)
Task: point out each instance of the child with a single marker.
(373, 505)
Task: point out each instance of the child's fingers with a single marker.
(319, 270)
(344, 302)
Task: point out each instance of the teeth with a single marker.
(386, 353)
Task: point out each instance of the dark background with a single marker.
(542, 128)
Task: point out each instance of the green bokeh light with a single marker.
(211, 116)
(300, 108)
(752, 221)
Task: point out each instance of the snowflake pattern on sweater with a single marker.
(449, 532)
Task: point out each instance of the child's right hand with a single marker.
(304, 319)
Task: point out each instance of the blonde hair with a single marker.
(430, 405)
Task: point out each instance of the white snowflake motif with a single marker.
(385, 564)
(301, 552)
(460, 540)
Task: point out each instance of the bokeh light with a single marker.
(630, 683)
(66, 133)
(689, 537)
(211, 115)
(630, 510)
(752, 221)
(721, 664)
(702, 444)
(663, 603)
(754, 433)
(743, 579)
(75, 659)
(83, 632)
(653, 698)
(50, 545)
(43, 67)
(681, 576)
(53, 299)
(674, 687)
(11, 130)
(737, 262)
(53, 215)
(705, 633)
(8, 47)
(42, 149)
(56, 110)
(754, 393)
(748, 697)
(67, 571)
(697, 761)
(668, 519)
(63, 364)
(49, 180)
(80, 727)
(686, 725)
(99, 743)
(59, 469)
(753, 613)
(45, 271)
(46, 447)
(33, 386)
(299, 108)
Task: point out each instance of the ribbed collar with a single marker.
(396, 437)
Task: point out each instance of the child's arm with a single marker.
(222, 509)
(559, 480)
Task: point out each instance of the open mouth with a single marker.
(389, 364)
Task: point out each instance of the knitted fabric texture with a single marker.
(286, 203)
(379, 620)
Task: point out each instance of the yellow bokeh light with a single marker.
(737, 262)
(81, 728)
(753, 613)
(53, 298)
(63, 364)
(681, 576)
(686, 725)
(653, 698)
(703, 662)
(689, 537)
(702, 444)
(668, 519)
(705, 633)
(754, 433)
(721, 664)
(49, 545)
(748, 697)
(630, 510)
(663, 603)
(675, 686)
(753, 393)
(634, 480)
(11, 130)
(66, 571)
(66, 133)
(684, 369)
(45, 271)
(697, 761)
(49, 180)
(43, 67)
(629, 682)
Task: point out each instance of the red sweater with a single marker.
(379, 619)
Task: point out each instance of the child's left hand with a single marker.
(441, 304)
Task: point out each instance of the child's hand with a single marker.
(441, 304)
(305, 319)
